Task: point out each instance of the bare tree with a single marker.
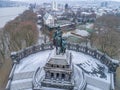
(107, 36)
(21, 32)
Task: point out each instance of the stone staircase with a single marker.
(24, 75)
(22, 81)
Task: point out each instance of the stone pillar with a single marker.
(70, 59)
(60, 76)
(77, 48)
(51, 46)
(67, 77)
(48, 75)
(54, 75)
(51, 75)
(14, 57)
(42, 46)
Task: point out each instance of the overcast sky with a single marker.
(60, 0)
(63, 0)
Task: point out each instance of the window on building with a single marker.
(57, 75)
(63, 76)
(51, 65)
(52, 75)
(57, 66)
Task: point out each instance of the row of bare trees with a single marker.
(2, 47)
(18, 34)
(106, 36)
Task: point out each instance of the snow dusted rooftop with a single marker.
(83, 33)
(92, 67)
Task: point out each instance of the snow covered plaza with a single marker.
(92, 70)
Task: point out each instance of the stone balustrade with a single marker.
(111, 64)
(75, 47)
(17, 56)
(105, 59)
(10, 77)
(80, 81)
(35, 83)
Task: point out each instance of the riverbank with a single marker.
(9, 13)
(22, 32)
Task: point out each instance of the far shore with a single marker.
(9, 13)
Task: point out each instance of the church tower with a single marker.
(54, 6)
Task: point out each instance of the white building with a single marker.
(48, 19)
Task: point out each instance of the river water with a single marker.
(9, 13)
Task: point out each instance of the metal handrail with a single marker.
(34, 80)
(83, 79)
(10, 77)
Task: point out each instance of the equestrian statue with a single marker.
(59, 42)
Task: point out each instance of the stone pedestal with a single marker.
(58, 73)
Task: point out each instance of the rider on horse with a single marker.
(58, 41)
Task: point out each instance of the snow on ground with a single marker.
(41, 36)
(67, 34)
(81, 58)
(90, 65)
(45, 88)
(32, 62)
(89, 26)
(86, 62)
(89, 87)
(83, 33)
(21, 81)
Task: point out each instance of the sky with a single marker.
(59, 1)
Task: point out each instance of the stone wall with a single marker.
(17, 56)
(110, 63)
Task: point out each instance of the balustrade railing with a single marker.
(10, 77)
(35, 83)
(30, 50)
(81, 80)
(111, 64)
(17, 56)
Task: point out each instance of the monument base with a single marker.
(59, 72)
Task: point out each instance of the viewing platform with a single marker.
(92, 69)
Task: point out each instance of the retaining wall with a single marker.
(17, 56)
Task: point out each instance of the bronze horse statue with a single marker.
(59, 42)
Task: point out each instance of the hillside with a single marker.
(16, 35)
